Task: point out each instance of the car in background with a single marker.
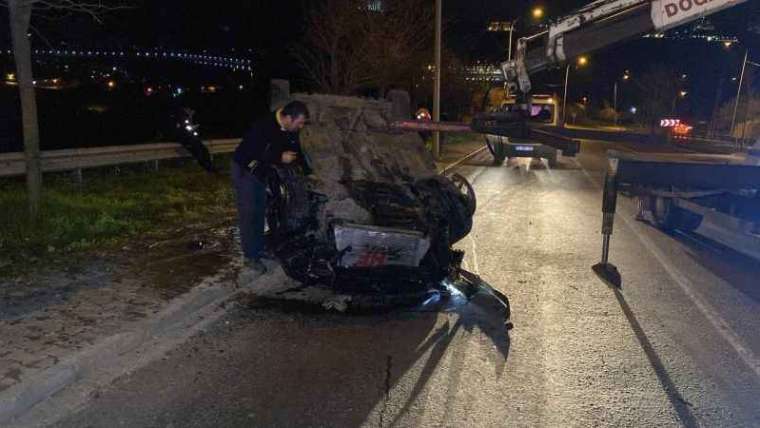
(544, 111)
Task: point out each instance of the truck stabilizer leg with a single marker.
(605, 270)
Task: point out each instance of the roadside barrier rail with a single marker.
(13, 164)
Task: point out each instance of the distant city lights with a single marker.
(229, 62)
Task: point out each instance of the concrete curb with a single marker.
(53, 393)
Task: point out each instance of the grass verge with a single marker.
(108, 208)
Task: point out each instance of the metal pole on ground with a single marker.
(564, 97)
(437, 86)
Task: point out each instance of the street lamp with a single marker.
(626, 77)
(504, 27)
(538, 12)
(739, 89)
(582, 61)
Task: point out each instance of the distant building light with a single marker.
(633, 110)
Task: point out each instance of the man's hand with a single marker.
(288, 156)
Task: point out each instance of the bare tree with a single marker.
(400, 41)
(350, 44)
(659, 88)
(20, 15)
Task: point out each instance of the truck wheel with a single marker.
(498, 150)
(552, 160)
(688, 221)
(667, 216)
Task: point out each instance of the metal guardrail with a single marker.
(13, 164)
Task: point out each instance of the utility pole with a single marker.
(738, 93)
(437, 85)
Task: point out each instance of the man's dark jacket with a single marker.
(265, 142)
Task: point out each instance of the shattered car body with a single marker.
(375, 221)
(377, 210)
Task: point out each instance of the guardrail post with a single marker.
(78, 176)
(155, 165)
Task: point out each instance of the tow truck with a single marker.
(543, 111)
(676, 192)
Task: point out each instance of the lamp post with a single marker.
(437, 86)
(581, 61)
(511, 30)
(504, 27)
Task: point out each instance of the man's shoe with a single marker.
(267, 254)
(255, 265)
(252, 269)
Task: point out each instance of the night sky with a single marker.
(264, 29)
(268, 25)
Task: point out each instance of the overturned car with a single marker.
(375, 221)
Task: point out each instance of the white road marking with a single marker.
(474, 253)
(718, 322)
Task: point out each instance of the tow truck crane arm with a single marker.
(597, 25)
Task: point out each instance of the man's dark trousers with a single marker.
(251, 205)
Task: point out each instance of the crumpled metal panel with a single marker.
(372, 246)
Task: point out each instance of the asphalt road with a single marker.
(678, 346)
